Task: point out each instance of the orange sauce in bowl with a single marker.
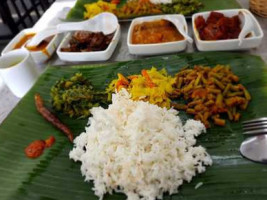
(39, 47)
(42, 46)
(23, 40)
(159, 31)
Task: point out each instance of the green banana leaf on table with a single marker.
(53, 176)
(76, 13)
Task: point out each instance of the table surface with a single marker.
(8, 101)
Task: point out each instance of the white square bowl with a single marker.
(229, 44)
(10, 46)
(38, 56)
(158, 48)
(88, 56)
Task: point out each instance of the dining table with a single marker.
(53, 16)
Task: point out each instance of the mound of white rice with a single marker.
(139, 149)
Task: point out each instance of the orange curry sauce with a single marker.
(158, 31)
(41, 47)
(23, 40)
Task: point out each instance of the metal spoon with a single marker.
(105, 22)
(255, 148)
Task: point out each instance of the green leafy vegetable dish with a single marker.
(75, 96)
(184, 7)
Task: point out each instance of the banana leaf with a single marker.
(53, 176)
(76, 13)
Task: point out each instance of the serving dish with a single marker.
(38, 56)
(55, 176)
(229, 44)
(88, 56)
(157, 48)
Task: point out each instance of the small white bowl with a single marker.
(229, 44)
(88, 56)
(10, 46)
(38, 56)
(19, 71)
(158, 48)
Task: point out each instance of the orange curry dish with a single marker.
(40, 47)
(158, 31)
(23, 40)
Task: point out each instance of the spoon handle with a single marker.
(61, 28)
(71, 26)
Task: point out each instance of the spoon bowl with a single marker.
(255, 148)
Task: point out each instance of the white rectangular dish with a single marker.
(88, 56)
(38, 56)
(229, 44)
(158, 48)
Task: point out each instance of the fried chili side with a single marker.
(51, 117)
(50, 141)
(37, 147)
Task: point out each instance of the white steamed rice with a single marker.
(139, 149)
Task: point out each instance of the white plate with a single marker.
(159, 48)
(229, 44)
(88, 56)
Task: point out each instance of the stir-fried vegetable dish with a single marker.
(208, 93)
(75, 96)
(211, 92)
(135, 8)
(183, 7)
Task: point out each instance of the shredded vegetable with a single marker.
(151, 85)
(93, 9)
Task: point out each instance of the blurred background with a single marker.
(16, 15)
